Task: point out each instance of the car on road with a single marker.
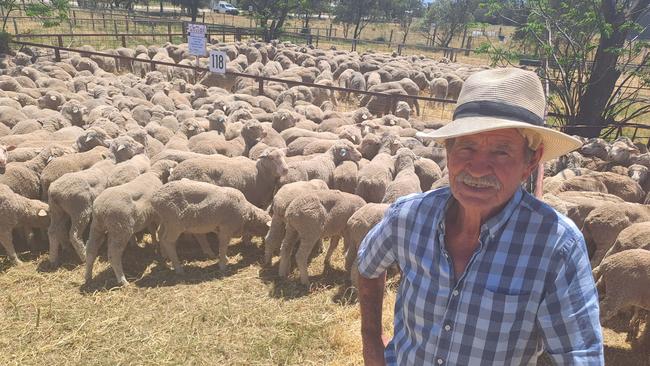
(223, 7)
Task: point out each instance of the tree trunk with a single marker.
(604, 73)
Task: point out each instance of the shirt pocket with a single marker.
(505, 311)
(507, 324)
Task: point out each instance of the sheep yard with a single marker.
(88, 143)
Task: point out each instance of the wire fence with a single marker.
(635, 131)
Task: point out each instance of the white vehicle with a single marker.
(223, 7)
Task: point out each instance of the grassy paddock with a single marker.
(246, 316)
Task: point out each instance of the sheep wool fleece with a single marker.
(527, 286)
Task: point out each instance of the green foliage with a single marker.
(50, 14)
(450, 17)
(7, 6)
(574, 36)
(356, 12)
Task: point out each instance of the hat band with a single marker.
(484, 108)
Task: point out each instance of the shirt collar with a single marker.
(494, 224)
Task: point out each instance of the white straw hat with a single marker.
(504, 98)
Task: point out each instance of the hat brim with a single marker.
(556, 143)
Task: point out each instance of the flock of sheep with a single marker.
(93, 151)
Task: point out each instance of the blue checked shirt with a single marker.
(528, 287)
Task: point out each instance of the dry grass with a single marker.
(246, 316)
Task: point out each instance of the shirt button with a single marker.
(448, 327)
(455, 293)
(440, 361)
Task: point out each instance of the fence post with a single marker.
(390, 39)
(126, 21)
(317, 36)
(15, 27)
(92, 20)
(399, 49)
(260, 86)
(329, 34)
(74, 17)
(123, 40)
(104, 20)
(169, 32)
(468, 45)
(57, 53)
(203, 18)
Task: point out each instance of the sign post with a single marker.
(196, 43)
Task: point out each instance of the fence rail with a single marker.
(612, 131)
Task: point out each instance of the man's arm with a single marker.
(371, 298)
(568, 316)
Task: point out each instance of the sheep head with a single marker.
(272, 160)
(124, 148)
(344, 150)
(257, 221)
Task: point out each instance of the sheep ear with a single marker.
(120, 147)
(10, 147)
(364, 116)
(88, 138)
(268, 224)
(42, 213)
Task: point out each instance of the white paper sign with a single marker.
(196, 44)
(196, 28)
(218, 61)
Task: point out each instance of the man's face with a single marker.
(486, 169)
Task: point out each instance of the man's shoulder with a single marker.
(551, 222)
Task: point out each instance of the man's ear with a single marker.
(534, 160)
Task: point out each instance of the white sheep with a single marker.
(122, 211)
(311, 217)
(200, 208)
(24, 178)
(321, 166)
(358, 225)
(281, 200)
(405, 181)
(18, 212)
(256, 179)
(622, 282)
(603, 224)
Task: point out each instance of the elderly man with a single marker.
(490, 275)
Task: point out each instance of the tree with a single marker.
(275, 11)
(309, 7)
(49, 14)
(192, 6)
(356, 12)
(405, 11)
(594, 70)
(450, 17)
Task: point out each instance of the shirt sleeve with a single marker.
(377, 250)
(568, 315)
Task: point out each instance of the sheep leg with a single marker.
(351, 254)
(302, 256)
(79, 222)
(95, 241)
(286, 248)
(334, 242)
(168, 248)
(273, 239)
(224, 240)
(6, 239)
(56, 232)
(116, 246)
(205, 246)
